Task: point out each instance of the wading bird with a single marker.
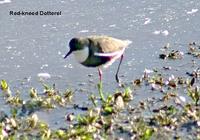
(98, 51)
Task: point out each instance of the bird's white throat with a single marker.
(81, 55)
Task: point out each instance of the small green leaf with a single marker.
(99, 86)
(194, 94)
(33, 93)
(14, 112)
(108, 109)
(4, 85)
(60, 133)
(148, 133)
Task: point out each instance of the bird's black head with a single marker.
(73, 45)
(77, 44)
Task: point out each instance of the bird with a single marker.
(98, 51)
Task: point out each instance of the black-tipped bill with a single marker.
(70, 51)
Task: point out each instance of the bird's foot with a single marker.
(121, 85)
(119, 81)
(117, 78)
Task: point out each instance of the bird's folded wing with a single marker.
(109, 45)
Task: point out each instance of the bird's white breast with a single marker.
(81, 55)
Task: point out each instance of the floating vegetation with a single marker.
(194, 49)
(170, 53)
(174, 54)
(5, 88)
(194, 93)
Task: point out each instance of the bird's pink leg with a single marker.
(100, 74)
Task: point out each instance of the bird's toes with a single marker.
(117, 78)
(119, 81)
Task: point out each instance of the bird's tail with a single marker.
(127, 42)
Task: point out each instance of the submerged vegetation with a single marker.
(175, 115)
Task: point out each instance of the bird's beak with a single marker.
(70, 51)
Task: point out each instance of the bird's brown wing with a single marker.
(105, 44)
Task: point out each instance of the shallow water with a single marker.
(35, 44)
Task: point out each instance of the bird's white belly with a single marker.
(81, 55)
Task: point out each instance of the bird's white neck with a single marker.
(82, 55)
